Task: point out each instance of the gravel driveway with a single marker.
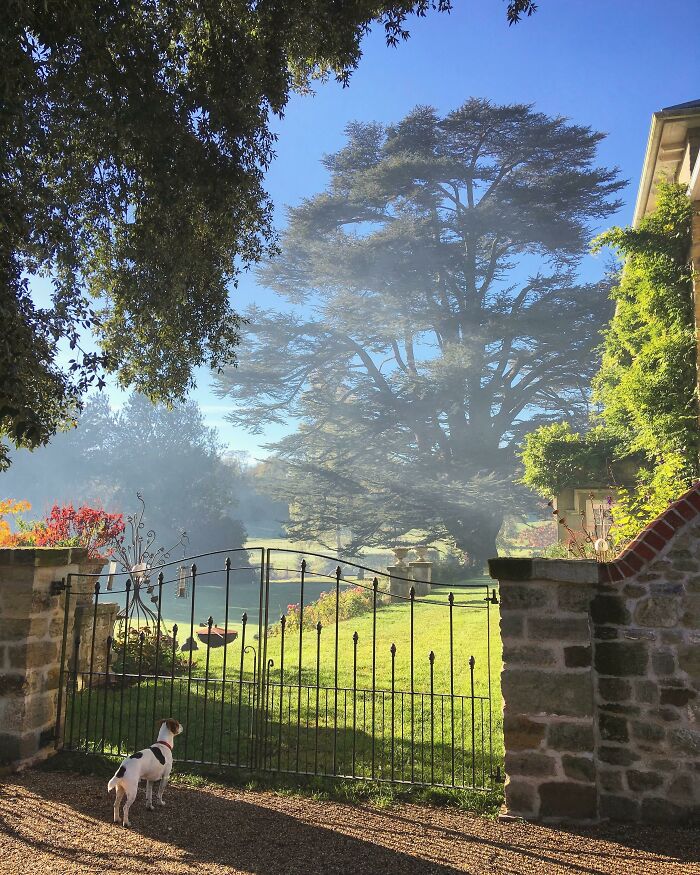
(55, 822)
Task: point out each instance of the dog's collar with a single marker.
(167, 744)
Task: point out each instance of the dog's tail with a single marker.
(116, 779)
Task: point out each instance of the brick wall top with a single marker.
(654, 538)
(643, 549)
(43, 556)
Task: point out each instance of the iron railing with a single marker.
(289, 698)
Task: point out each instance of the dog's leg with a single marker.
(118, 796)
(163, 785)
(130, 796)
(149, 795)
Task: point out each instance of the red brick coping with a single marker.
(652, 540)
(645, 547)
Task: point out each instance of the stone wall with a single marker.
(601, 678)
(32, 613)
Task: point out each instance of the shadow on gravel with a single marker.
(211, 831)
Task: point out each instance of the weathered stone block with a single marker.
(559, 628)
(521, 799)
(577, 656)
(644, 731)
(612, 727)
(689, 659)
(605, 633)
(646, 692)
(676, 696)
(579, 768)
(528, 654)
(570, 736)
(530, 764)
(621, 658)
(663, 662)
(610, 780)
(564, 694)
(691, 614)
(525, 596)
(614, 689)
(659, 810)
(684, 790)
(512, 626)
(560, 799)
(685, 741)
(659, 611)
(617, 756)
(609, 610)
(640, 782)
(573, 599)
(619, 807)
(520, 733)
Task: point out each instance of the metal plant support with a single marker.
(141, 559)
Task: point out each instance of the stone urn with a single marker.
(401, 553)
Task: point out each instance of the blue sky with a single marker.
(605, 63)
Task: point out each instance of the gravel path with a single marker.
(56, 822)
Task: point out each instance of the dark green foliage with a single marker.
(647, 382)
(441, 318)
(135, 137)
(646, 387)
(151, 656)
(555, 458)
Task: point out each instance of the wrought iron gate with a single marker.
(303, 665)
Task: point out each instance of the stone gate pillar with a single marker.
(32, 605)
(601, 679)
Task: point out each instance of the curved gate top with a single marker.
(286, 661)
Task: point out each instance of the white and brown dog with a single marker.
(150, 764)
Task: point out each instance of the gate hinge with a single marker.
(498, 778)
(57, 586)
(493, 598)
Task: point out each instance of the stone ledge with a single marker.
(43, 556)
(560, 570)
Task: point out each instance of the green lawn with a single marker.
(399, 732)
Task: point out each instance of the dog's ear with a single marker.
(172, 725)
(162, 721)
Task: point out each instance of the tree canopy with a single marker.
(438, 317)
(135, 138)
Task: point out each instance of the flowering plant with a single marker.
(89, 527)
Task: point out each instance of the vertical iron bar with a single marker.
(318, 676)
(301, 636)
(193, 573)
(157, 656)
(269, 691)
(375, 585)
(335, 696)
(413, 776)
(108, 656)
(472, 663)
(138, 692)
(262, 647)
(489, 602)
(431, 658)
(124, 655)
(283, 623)
(172, 667)
(60, 728)
(244, 622)
(76, 653)
(451, 600)
(393, 679)
(92, 664)
(355, 637)
(223, 668)
(210, 623)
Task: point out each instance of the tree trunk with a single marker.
(477, 538)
